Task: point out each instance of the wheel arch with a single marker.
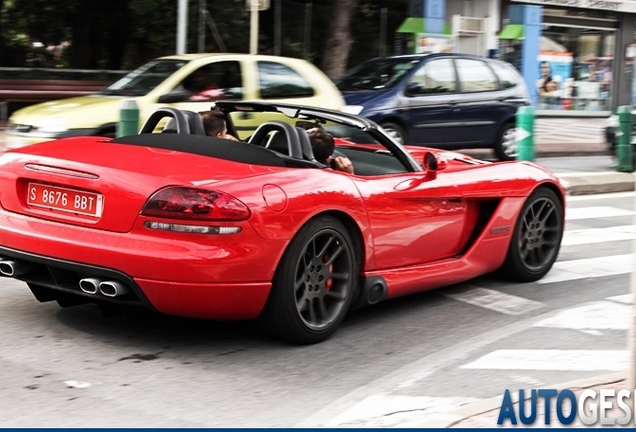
(394, 119)
(554, 188)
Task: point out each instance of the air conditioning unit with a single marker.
(468, 24)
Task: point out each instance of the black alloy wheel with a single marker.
(537, 237)
(314, 283)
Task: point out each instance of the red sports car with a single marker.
(191, 225)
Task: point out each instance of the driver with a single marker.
(323, 146)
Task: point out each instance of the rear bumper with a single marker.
(204, 277)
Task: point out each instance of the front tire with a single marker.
(314, 283)
(506, 144)
(536, 238)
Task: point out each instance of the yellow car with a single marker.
(188, 82)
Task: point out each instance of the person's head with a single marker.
(214, 123)
(545, 68)
(321, 143)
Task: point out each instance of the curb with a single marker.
(596, 182)
(450, 418)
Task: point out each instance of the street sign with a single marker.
(260, 4)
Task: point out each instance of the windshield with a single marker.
(376, 74)
(144, 79)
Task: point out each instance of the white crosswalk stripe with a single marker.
(589, 268)
(556, 360)
(598, 235)
(602, 315)
(595, 212)
(494, 300)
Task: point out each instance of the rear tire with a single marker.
(506, 144)
(314, 283)
(536, 238)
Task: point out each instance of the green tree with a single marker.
(123, 34)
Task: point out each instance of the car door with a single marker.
(431, 99)
(414, 219)
(481, 108)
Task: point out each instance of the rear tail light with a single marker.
(195, 204)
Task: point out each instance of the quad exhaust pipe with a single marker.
(113, 288)
(15, 268)
(89, 285)
(106, 288)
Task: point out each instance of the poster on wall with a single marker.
(555, 83)
(430, 44)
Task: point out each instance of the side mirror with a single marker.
(177, 95)
(433, 164)
(413, 89)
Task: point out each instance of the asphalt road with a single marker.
(400, 363)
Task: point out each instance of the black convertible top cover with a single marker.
(236, 151)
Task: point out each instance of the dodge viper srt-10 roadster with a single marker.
(195, 226)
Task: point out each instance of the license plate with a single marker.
(66, 200)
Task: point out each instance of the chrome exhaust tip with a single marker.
(89, 285)
(15, 268)
(113, 288)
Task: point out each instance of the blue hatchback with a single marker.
(450, 101)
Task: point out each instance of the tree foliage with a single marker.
(123, 34)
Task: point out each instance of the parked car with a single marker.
(196, 226)
(191, 82)
(449, 101)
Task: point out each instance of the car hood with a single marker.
(78, 113)
(96, 165)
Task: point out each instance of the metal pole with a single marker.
(277, 28)
(254, 27)
(182, 26)
(202, 8)
(383, 15)
(307, 43)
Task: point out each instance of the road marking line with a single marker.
(558, 360)
(494, 300)
(601, 315)
(589, 268)
(598, 235)
(595, 212)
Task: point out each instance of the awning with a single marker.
(416, 25)
(412, 25)
(512, 32)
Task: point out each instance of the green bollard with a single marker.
(525, 133)
(128, 118)
(624, 150)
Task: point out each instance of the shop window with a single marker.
(575, 69)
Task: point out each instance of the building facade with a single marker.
(577, 56)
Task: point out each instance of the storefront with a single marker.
(582, 60)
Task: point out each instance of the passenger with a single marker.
(214, 125)
(323, 146)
